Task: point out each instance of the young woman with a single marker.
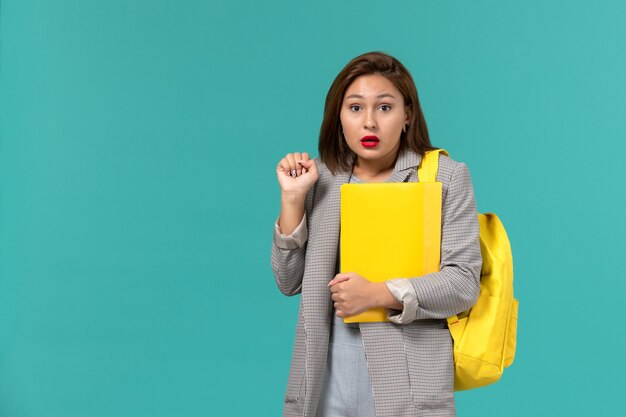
(373, 131)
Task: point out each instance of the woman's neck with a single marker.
(374, 170)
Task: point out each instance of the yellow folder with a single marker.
(389, 230)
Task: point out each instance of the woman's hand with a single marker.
(305, 172)
(296, 175)
(354, 294)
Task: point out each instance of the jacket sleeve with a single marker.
(289, 253)
(456, 286)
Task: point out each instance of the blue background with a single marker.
(138, 145)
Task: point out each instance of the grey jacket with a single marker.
(411, 365)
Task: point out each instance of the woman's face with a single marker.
(372, 115)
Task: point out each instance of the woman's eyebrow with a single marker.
(379, 96)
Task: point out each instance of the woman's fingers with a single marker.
(285, 166)
(338, 278)
(297, 157)
(296, 164)
(292, 164)
(304, 157)
(305, 163)
(291, 170)
(289, 165)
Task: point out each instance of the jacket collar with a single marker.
(406, 161)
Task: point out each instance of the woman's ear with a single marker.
(407, 118)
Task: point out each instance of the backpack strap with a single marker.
(427, 170)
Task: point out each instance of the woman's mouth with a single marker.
(369, 141)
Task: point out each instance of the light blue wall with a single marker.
(138, 142)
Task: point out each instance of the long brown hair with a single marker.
(333, 149)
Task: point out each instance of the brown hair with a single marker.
(333, 149)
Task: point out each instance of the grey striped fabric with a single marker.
(410, 365)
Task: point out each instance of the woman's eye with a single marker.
(385, 107)
(355, 107)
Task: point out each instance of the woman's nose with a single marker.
(370, 120)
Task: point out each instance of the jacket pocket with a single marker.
(430, 360)
(294, 397)
(295, 383)
(294, 388)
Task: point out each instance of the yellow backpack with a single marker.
(485, 335)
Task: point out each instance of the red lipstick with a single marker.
(370, 141)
